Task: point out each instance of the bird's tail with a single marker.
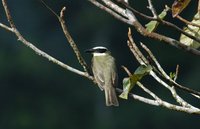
(111, 97)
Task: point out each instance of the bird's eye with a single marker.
(102, 50)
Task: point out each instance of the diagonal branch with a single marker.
(69, 37)
(31, 46)
(155, 15)
(164, 74)
(134, 22)
(187, 22)
(142, 60)
(6, 27)
(185, 107)
(108, 10)
(39, 52)
(162, 21)
(71, 41)
(156, 102)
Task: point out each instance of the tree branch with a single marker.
(6, 27)
(185, 107)
(39, 52)
(187, 22)
(162, 21)
(143, 61)
(114, 14)
(69, 37)
(155, 15)
(163, 73)
(31, 46)
(134, 22)
(71, 41)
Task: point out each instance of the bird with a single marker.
(105, 73)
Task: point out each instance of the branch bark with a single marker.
(39, 52)
(132, 20)
(121, 15)
(185, 106)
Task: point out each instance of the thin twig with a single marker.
(163, 73)
(159, 102)
(135, 51)
(6, 27)
(187, 22)
(114, 6)
(172, 90)
(164, 22)
(176, 73)
(134, 22)
(140, 98)
(84, 74)
(131, 43)
(127, 71)
(148, 91)
(199, 6)
(9, 18)
(38, 51)
(155, 15)
(14, 30)
(142, 86)
(71, 41)
(68, 36)
(115, 15)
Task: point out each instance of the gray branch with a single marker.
(129, 18)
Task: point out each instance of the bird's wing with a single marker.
(115, 78)
(99, 77)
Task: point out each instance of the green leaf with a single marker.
(152, 25)
(143, 70)
(172, 75)
(192, 30)
(126, 88)
(129, 82)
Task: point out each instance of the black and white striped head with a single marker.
(98, 51)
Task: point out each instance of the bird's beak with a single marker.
(89, 51)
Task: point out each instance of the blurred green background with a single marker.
(35, 93)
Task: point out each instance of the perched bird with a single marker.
(105, 73)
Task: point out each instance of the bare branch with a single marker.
(71, 41)
(176, 73)
(135, 51)
(158, 102)
(6, 27)
(115, 7)
(199, 6)
(9, 18)
(163, 73)
(140, 98)
(114, 14)
(134, 22)
(67, 67)
(148, 91)
(140, 57)
(69, 37)
(187, 22)
(37, 51)
(185, 107)
(127, 71)
(164, 22)
(155, 15)
(179, 108)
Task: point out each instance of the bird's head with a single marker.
(98, 51)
